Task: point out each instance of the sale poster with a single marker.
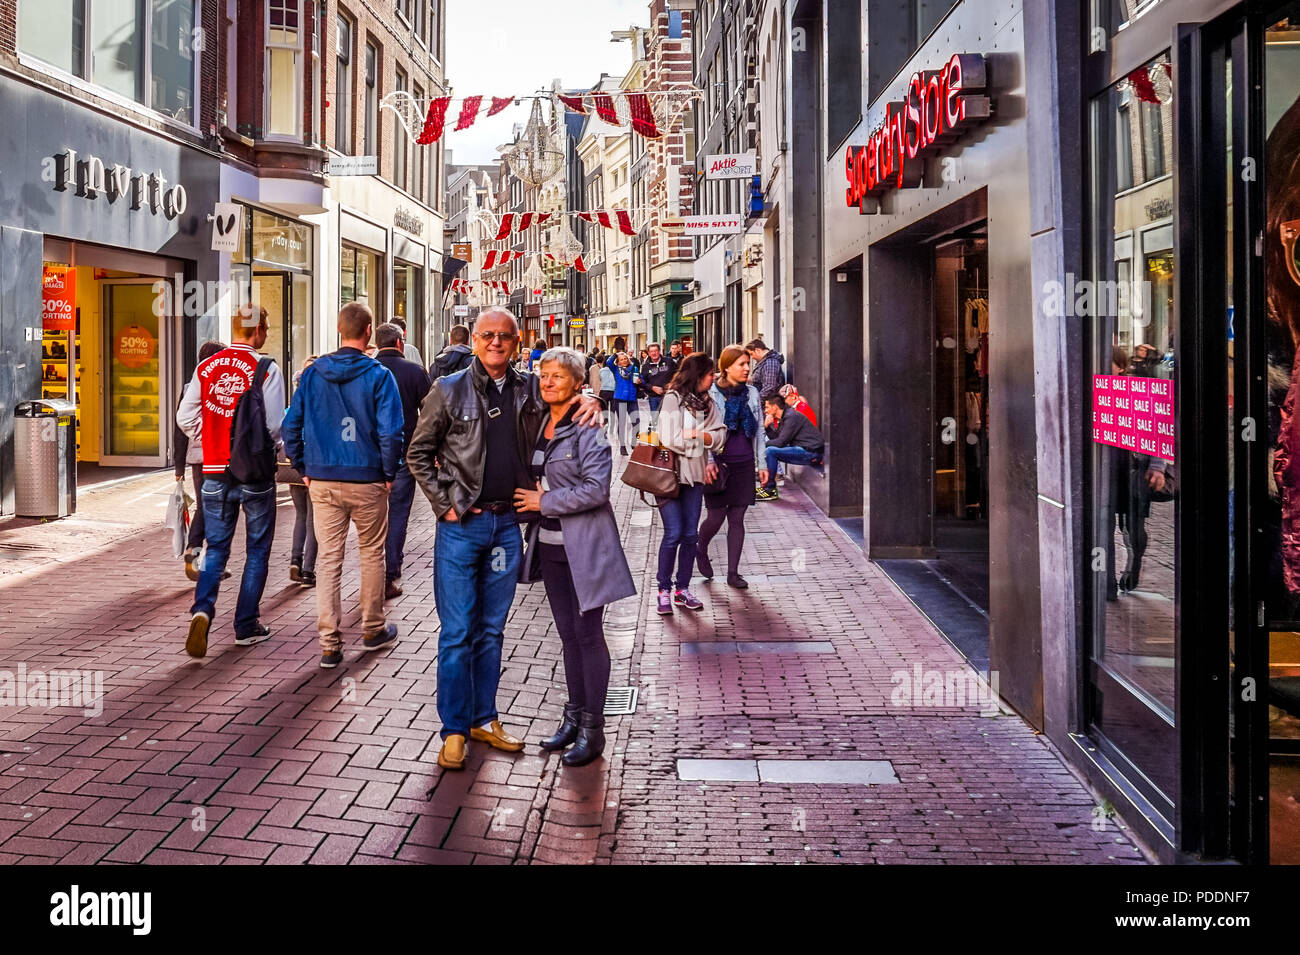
(135, 346)
(60, 295)
(1136, 414)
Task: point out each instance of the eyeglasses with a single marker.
(499, 336)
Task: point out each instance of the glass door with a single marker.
(136, 347)
(285, 298)
(1136, 464)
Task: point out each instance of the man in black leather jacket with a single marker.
(475, 433)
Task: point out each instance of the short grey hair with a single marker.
(493, 312)
(570, 359)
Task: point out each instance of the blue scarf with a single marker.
(737, 416)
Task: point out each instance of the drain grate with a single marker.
(620, 701)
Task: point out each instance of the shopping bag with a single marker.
(178, 518)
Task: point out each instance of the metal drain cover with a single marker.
(620, 700)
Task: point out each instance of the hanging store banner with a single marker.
(1133, 413)
(731, 166)
(60, 295)
(712, 225)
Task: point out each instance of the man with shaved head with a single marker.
(469, 453)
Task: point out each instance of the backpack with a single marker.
(252, 452)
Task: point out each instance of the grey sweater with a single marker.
(796, 431)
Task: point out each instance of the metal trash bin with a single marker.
(45, 458)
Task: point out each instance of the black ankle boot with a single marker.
(568, 730)
(590, 743)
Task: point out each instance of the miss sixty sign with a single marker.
(939, 108)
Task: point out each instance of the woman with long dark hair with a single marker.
(690, 425)
(741, 456)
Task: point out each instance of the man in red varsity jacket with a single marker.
(207, 413)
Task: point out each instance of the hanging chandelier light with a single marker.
(535, 276)
(533, 158)
(564, 245)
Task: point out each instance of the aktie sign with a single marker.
(940, 107)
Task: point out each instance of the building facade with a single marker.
(1063, 376)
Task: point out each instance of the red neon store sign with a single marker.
(939, 108)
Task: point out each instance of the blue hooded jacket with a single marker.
(345, 420)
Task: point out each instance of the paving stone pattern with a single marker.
(257, 755)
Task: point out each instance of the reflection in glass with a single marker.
(1133, 333)
(1282, 278)
(116, 27)
(172, 58)
(54, 31)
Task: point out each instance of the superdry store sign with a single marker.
(940, 107)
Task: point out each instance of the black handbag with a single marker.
(719, 483)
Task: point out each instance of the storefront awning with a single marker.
(705, 303)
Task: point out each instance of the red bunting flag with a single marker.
(519, 222)
(433, 122)
(468, 112)
(621, 220)
(605, 107)
(499, 103)
(573, 102)
(643, 116)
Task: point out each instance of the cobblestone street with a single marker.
(257, 755)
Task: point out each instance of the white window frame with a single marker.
(296, 47)
(143, 106)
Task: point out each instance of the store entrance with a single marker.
(286, 296)
(115, 355)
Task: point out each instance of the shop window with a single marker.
(844, 62)
(1128, 307)
(400, 145)
(898, 28)
(417, 176)
(1115, 15)
(359, 278)
(317, 90)
(283, 76)
(117, 28)
(343, 87)
(54, 31)
(372, 100)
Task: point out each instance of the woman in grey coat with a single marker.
(574, 547)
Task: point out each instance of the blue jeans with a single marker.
(221, 504)
(475, 567)
(788, 455)
(399, 515)
(654, 401)
(681, 530)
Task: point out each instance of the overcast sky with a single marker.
(519, 46)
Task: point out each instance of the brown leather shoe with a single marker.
(452, 755)
(497, 738)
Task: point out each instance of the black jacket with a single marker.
(657, 374)
(412, 385)
(447, 452)
(796, 431)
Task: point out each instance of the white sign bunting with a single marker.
(712, 225)
(730, 166)
(352, 166)
(227, 226)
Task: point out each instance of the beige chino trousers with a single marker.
(336, 504)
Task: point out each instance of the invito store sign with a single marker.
(1136, 414)
(940, 107)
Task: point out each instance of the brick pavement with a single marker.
(256, 755)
